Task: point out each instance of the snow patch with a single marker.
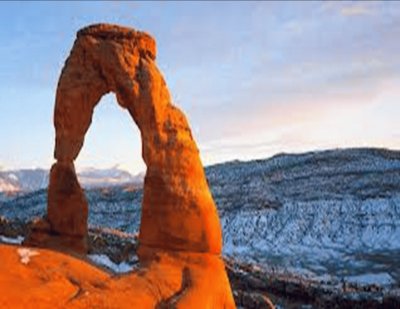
(9, 240)
(6, 186)
(25, 254)
(379, 278)
(104, 260)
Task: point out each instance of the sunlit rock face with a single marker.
(180, 235)
(49, 279)
(178, 211)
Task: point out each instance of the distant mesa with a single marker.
(180, 237)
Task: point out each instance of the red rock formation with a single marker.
(67, 206)
(178, 211)
(180, 235)
(50, 279)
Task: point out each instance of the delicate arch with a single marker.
(178, 212)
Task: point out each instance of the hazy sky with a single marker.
(254, 78)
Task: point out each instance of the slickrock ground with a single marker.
(54, 280)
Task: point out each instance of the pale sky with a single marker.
(253, 78)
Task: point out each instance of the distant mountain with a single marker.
(23, 180)
(97, 178)
(28, 180)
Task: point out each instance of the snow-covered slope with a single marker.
(332, 214)
(327, 214)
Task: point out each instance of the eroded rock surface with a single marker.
(178, 211)
(54, 280)
(180, 235)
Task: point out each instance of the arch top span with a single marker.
(142, 40)
(104, 58)
(178, 211)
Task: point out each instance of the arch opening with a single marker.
(112, 140)
(110, 168)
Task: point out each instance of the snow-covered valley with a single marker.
(351, 240)
(333, 213)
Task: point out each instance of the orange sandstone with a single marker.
(56, 280)
(178, 211)
(180, 237)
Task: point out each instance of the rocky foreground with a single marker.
(54, 280)
(114, 251)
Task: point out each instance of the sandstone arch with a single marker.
(180, 235)
(178, 212)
